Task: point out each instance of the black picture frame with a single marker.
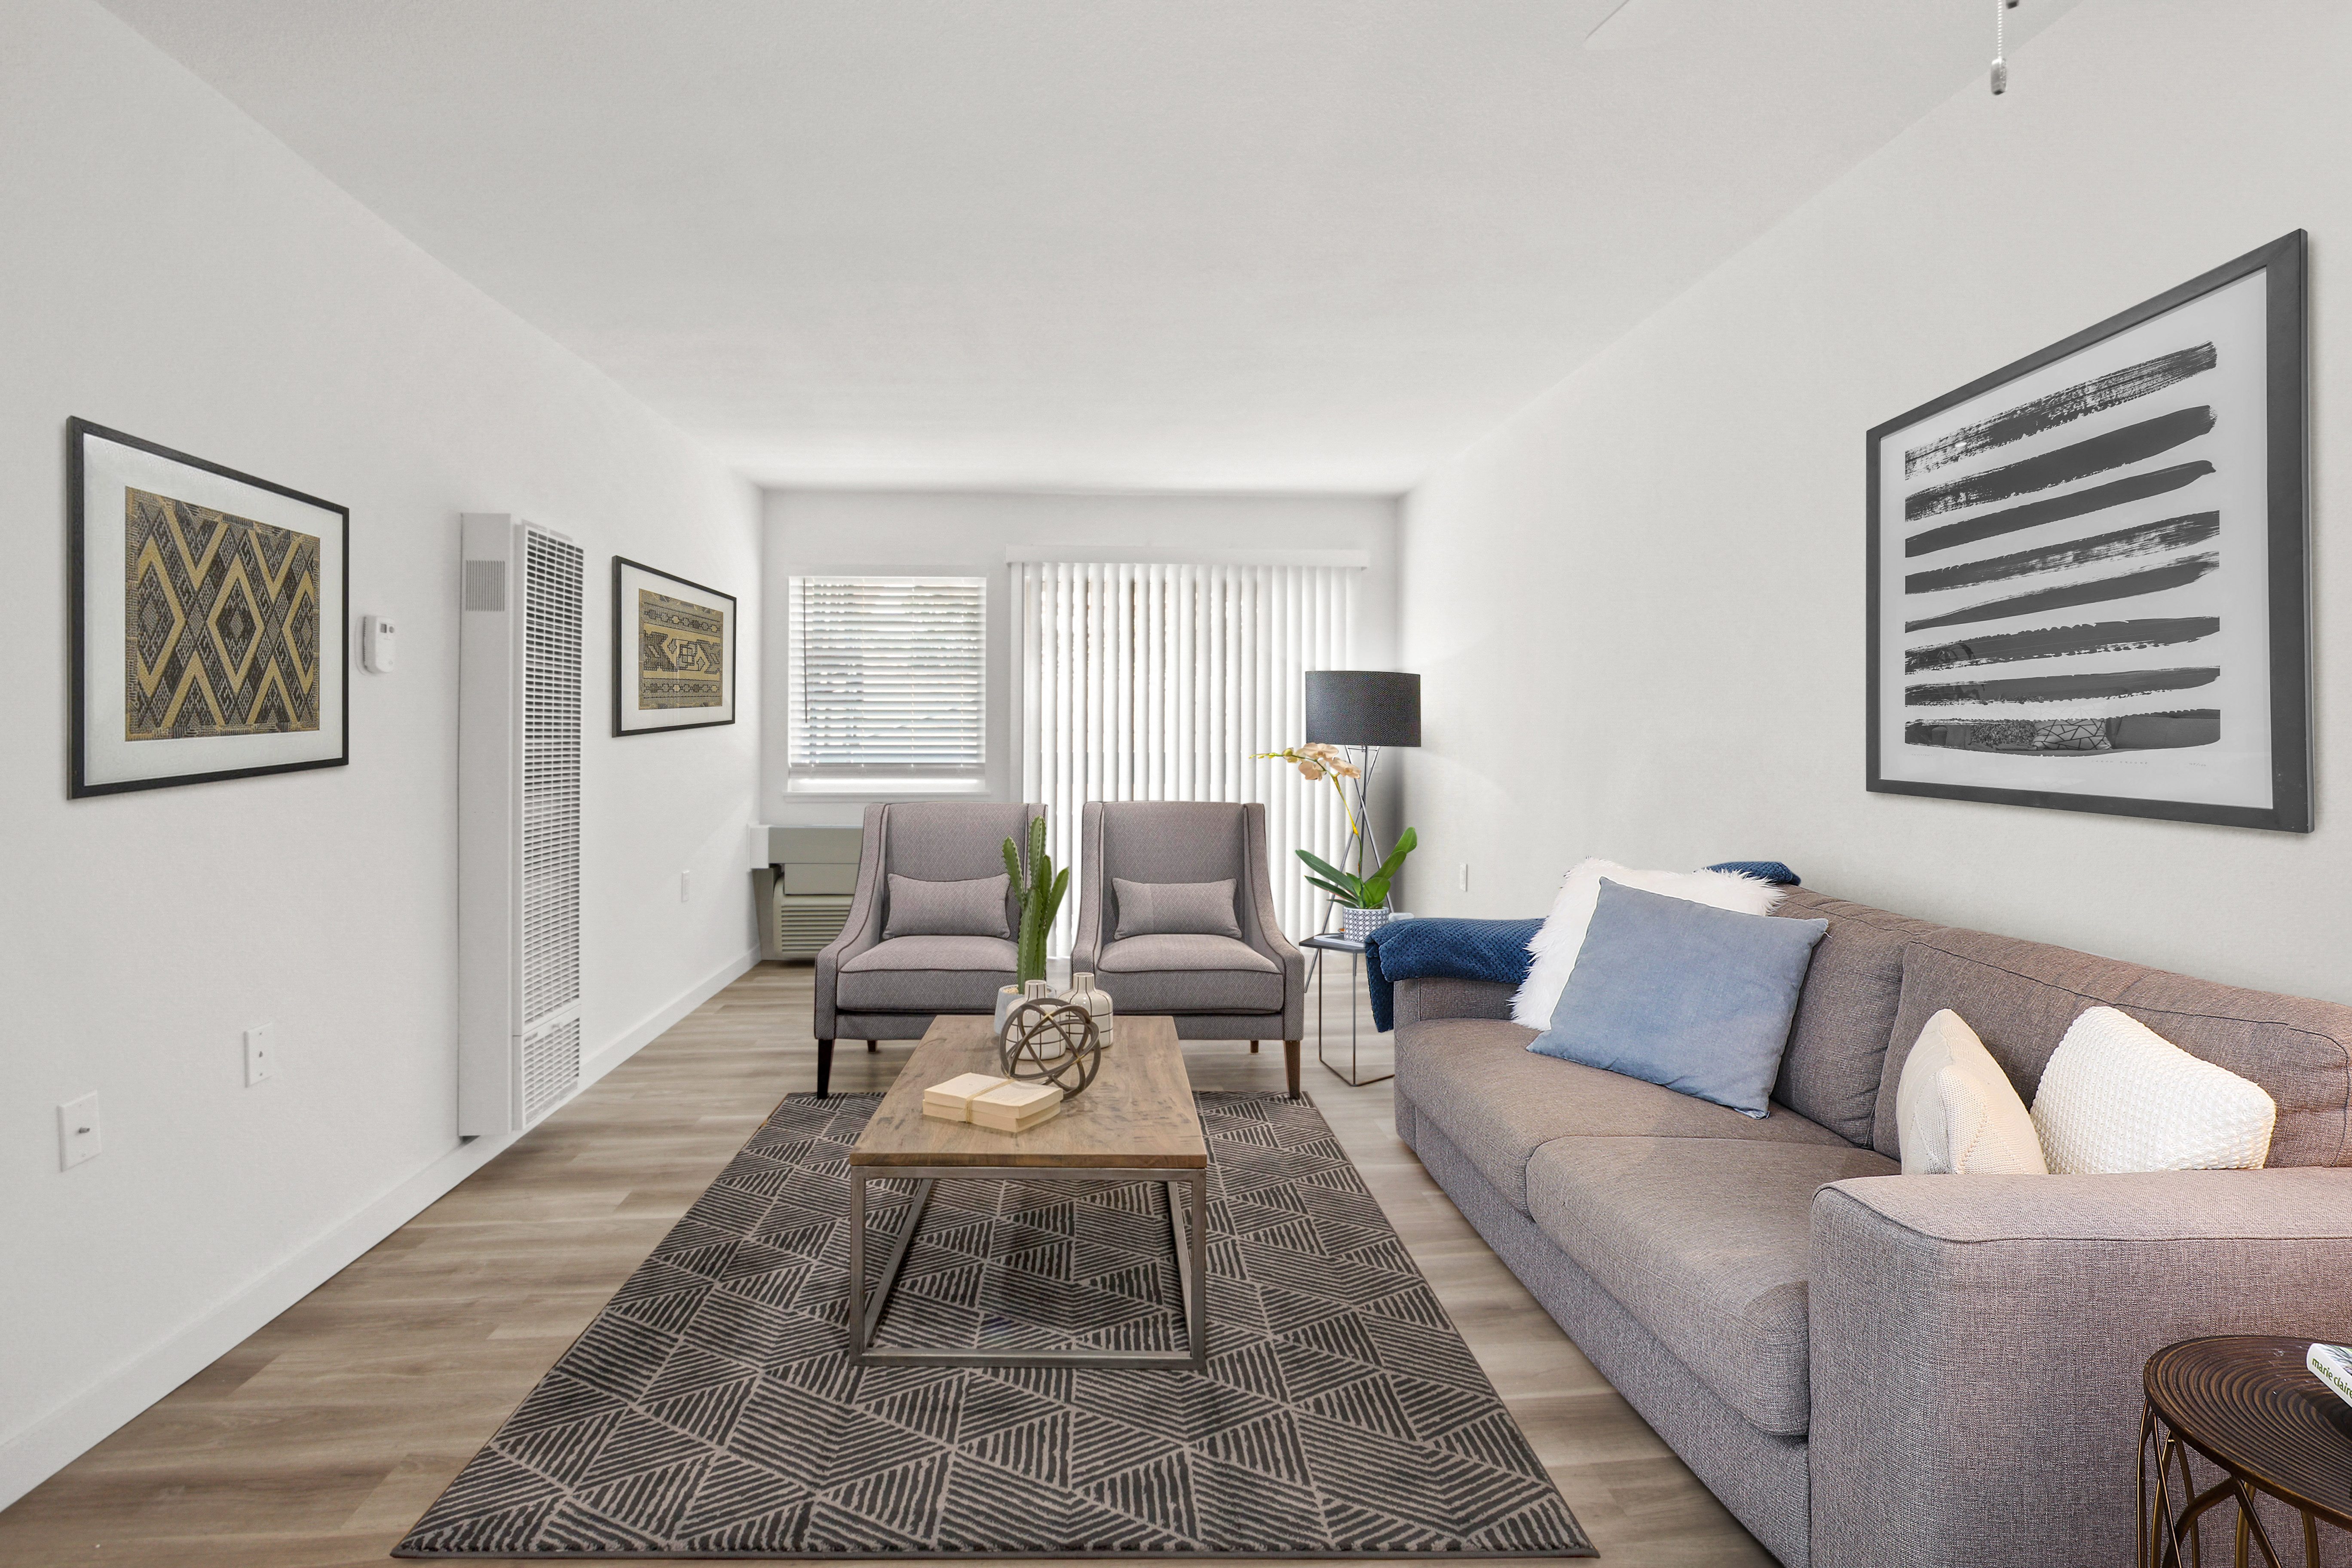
(2285, 446)
(334, 621)
(624, 645)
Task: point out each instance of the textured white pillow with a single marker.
(1557, 944)
(2117, 1096)
(1957, 1113)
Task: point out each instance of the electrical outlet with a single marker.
(684, 885)
(1463, 882)
(77, 1131)
(260, 1052)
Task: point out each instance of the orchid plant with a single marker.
(1317, 760)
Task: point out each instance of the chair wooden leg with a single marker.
(1290, 1065)
(1252, 1048)
(873, 1046)
(824, 1068)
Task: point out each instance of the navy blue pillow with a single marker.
(1694, 998)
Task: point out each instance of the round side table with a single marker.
(2247, 1404)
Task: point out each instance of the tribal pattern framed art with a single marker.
(208, 609)
(673, 652)
(2088, 569)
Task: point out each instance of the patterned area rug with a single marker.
(710, 1411)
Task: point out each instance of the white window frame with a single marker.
(887, 780)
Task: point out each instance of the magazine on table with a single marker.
(2332, 1364)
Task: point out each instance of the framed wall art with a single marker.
(2088, 569)
(673, 652)
(208, 615)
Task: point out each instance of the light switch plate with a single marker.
(77, 1131)
(684, 885)
(260, 1054)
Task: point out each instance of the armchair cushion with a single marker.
(1200, 908)
(973, 907)
(1189, 972)
(928, 974)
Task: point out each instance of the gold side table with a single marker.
(2247, 1404)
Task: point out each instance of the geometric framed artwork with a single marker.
(2088, 570)
(673, 652)
(208, 615)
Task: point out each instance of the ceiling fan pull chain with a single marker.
(2001, 45)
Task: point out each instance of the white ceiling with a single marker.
(1262, 244)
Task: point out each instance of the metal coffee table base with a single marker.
(1191, 1266)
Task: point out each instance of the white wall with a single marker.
(1638, 607)
(172, 272)
(967, 533)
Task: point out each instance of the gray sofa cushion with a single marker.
(2020, 997)
(928, 974)
(1189, 973)
(1475, 1078)
(1837, 1042)
(1201, 909)
(973, 907)
(1706, 1242)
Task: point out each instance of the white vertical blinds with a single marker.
(1163, 682)
(888, 676)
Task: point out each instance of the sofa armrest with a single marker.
(1419, 1001)
(861, 931)
(1978, 1343)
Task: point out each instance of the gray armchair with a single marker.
(873, 987)
(1247, 987)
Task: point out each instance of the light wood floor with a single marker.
(319, 1440)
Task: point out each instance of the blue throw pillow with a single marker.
(1678, 994)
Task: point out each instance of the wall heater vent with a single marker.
(518, 824)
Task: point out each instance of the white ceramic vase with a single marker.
(1358, 924)
(1083, 992)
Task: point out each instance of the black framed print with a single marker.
(2088, 570)
(673, 652)
(208, 615)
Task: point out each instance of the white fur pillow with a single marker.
(2117, 1096)
(1555, 947)
(1955, 1112)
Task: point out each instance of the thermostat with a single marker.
(378, 639)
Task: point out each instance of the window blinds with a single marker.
(1163, 682)
(888, 676)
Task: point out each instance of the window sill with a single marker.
(885, 789)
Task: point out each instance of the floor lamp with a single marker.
(1362, 711)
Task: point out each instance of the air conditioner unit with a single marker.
(518, 823)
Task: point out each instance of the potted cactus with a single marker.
(1039, 887)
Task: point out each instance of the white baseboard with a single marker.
(53, 1440)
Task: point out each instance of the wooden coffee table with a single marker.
(1135, 1122)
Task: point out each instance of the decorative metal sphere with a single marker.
(1046, 1041)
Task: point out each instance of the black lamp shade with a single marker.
(1364, 707)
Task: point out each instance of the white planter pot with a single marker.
(1358, 924)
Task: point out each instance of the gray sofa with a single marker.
(1873, 1369)
(1214, 987)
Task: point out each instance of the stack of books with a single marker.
(1000, 1104)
